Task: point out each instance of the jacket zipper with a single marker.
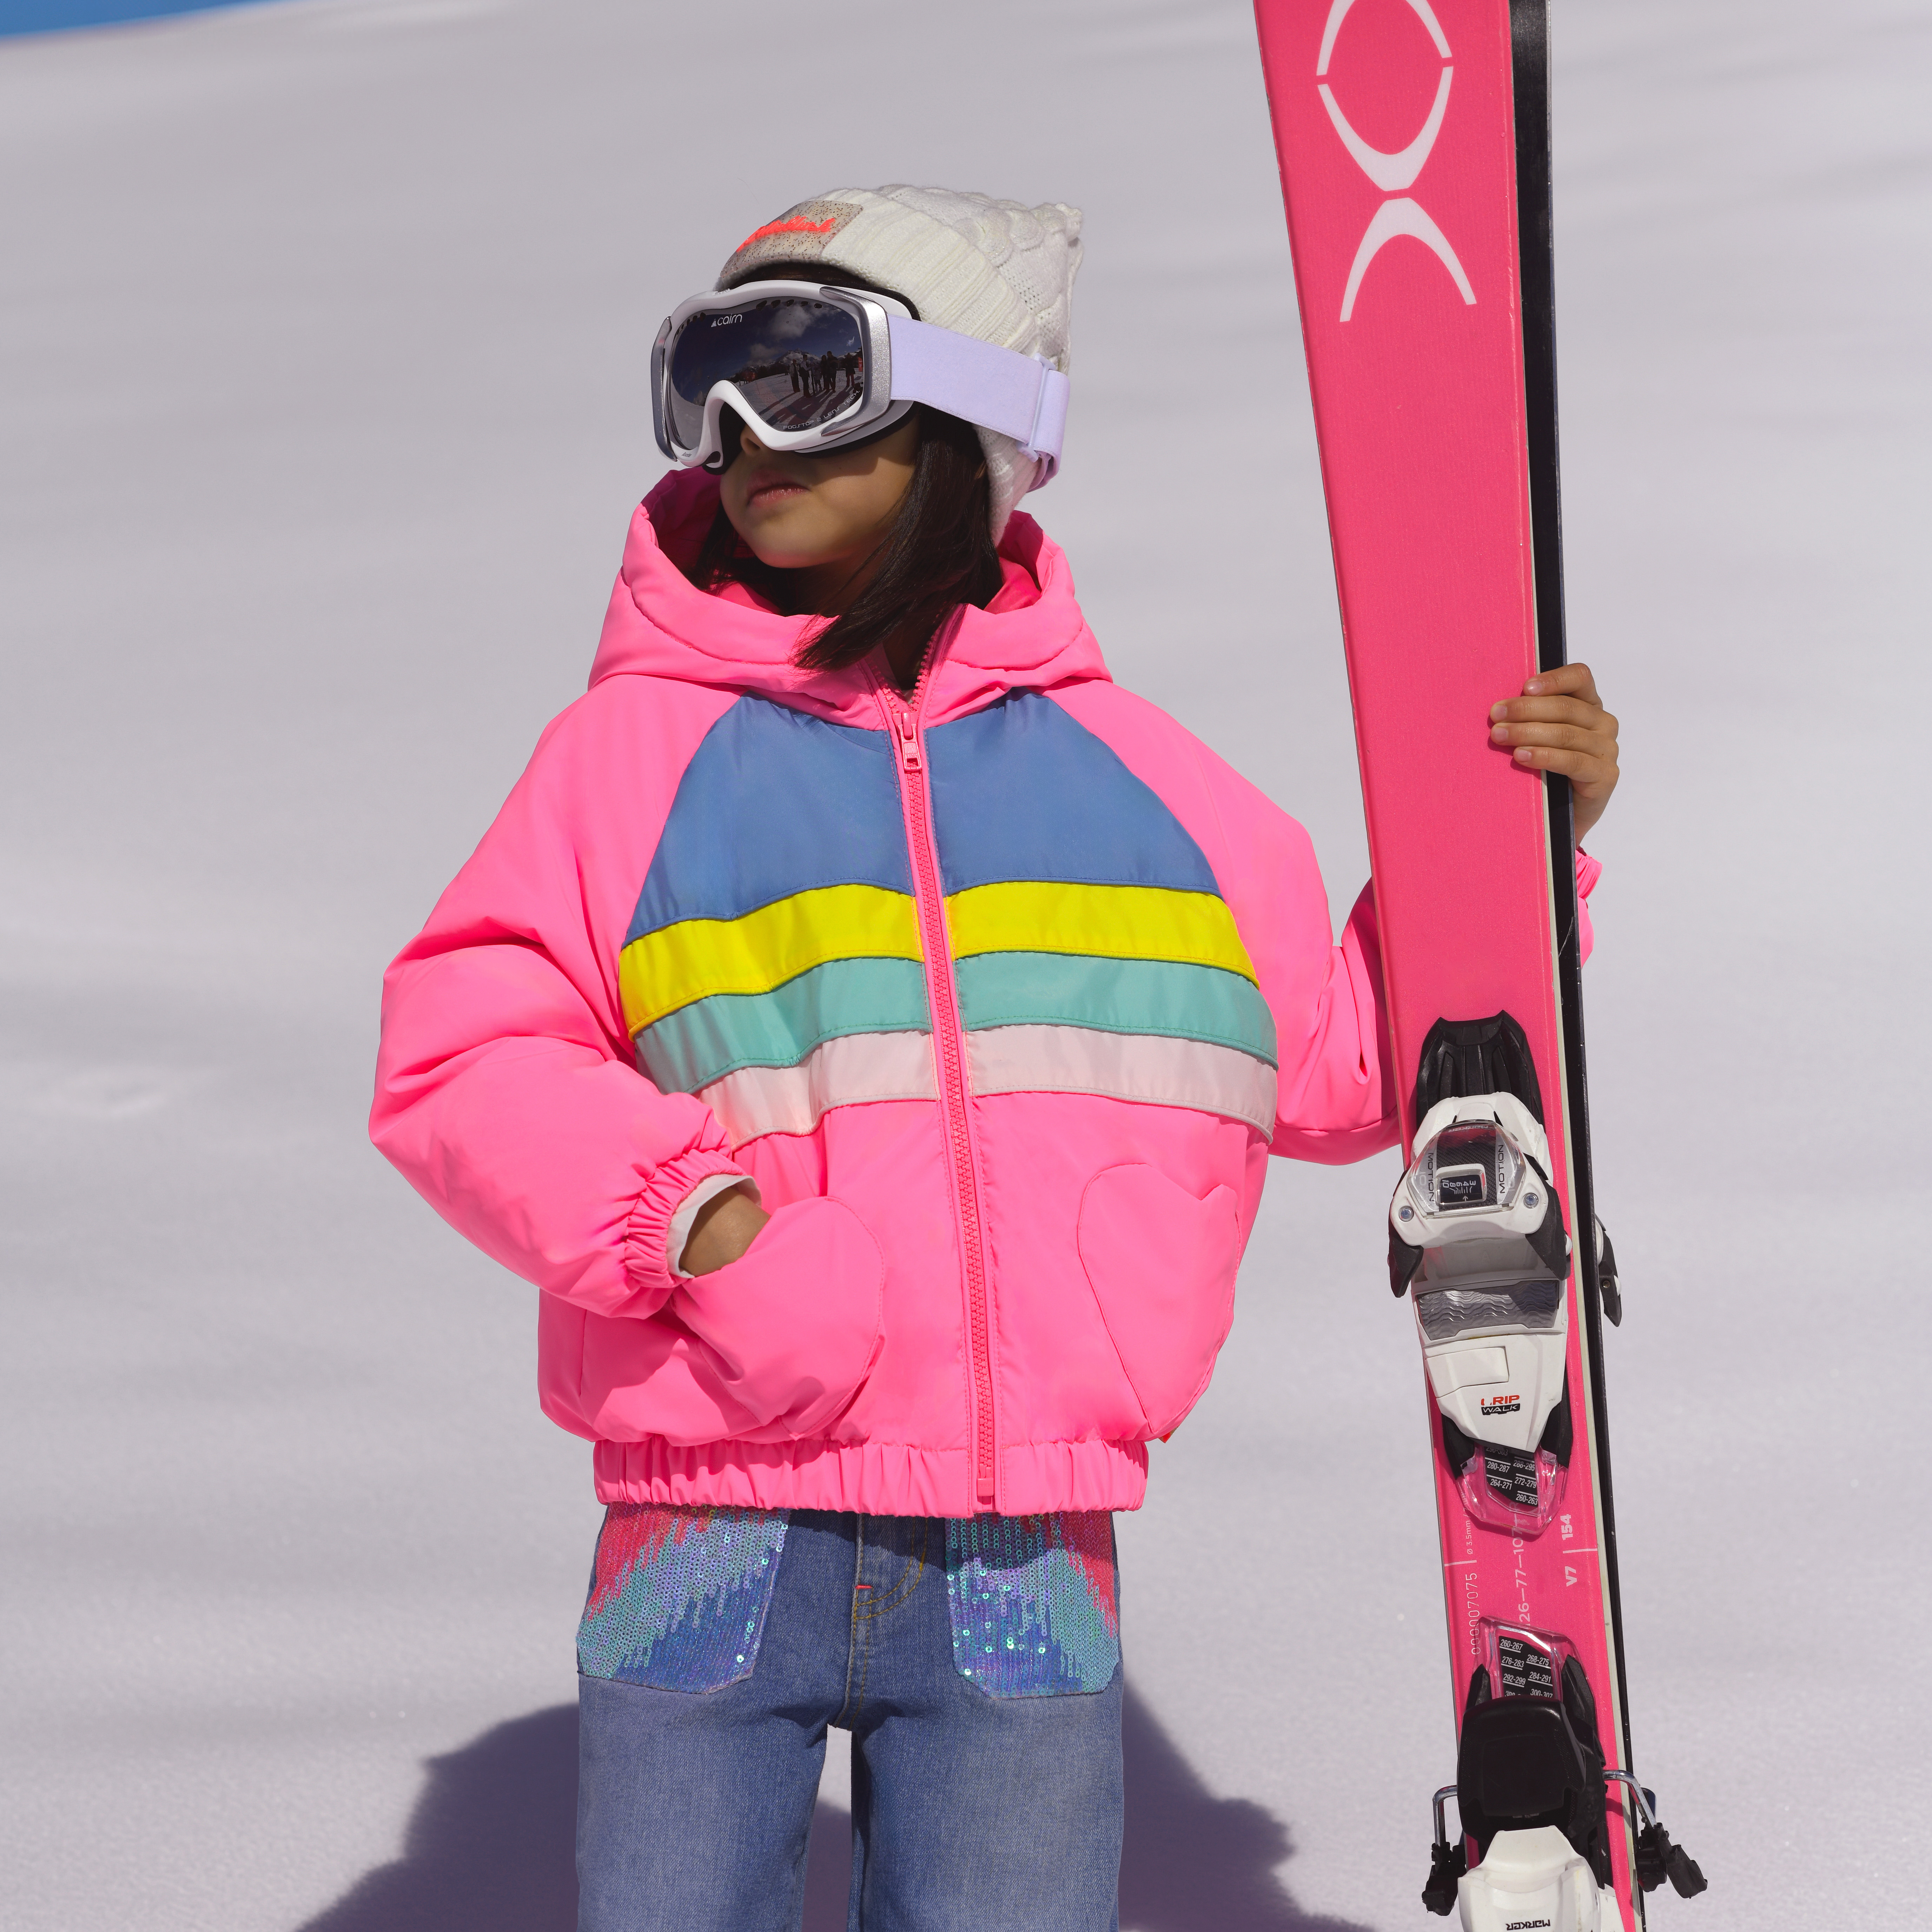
(902, 722)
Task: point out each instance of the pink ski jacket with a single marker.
(1003, 993)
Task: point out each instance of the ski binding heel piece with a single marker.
(1607, 1290)
(1476, 1235)
(1447, 1863)
(1535, 1878)
(1656, 1858)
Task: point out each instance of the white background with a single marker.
(323, 365)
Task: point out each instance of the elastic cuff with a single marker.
(681, 1222)
(1588, 872)
(647, 1234)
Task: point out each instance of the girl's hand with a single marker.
(1559, 724)
(726, 1225)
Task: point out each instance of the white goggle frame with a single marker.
(1022, 396)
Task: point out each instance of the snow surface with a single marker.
(323, 370)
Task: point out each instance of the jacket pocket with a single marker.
(776, 1345)
(792, 1328)
(1161, 1265)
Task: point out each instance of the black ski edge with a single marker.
(1529, 36)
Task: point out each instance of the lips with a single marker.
(771, 486)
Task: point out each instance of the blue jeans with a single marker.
(976, 1665)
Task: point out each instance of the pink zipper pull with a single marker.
(908, 742)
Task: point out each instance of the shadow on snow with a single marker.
(489, 1846)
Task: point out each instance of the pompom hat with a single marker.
(997, 270)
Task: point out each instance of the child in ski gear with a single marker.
(870, 1036)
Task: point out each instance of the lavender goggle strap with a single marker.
(995, 388)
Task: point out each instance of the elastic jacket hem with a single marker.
(1036, 1477)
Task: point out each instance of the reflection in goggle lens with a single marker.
(798, 363)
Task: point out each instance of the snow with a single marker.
(322, 372)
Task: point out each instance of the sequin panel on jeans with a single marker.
(678, 1597)
(1035, 1602)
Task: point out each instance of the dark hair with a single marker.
(938, 553)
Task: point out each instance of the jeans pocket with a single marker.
(678, 1596)
(1035, 1603)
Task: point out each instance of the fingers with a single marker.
(1580, 761)
(1585, 752)
(1559, 724)
(1566, 695)
(1561, 730)
(1591, 772)
(1550, 721)
(1571, 680)
(1559, 710)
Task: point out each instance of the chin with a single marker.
(780, 557)
(783, 550)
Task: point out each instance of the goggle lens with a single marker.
(799, 363)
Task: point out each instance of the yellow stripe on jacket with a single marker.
(1111, 922)
(663, 970)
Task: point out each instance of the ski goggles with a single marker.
(812, 368)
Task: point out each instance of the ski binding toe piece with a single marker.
(1476, 1237)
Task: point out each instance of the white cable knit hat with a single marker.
(995, 269)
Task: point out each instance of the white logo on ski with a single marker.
(1390, 171)
(1393, 173)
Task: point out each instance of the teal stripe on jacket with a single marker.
(1149, 996)
(685, 1051)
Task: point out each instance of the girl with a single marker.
(869, 1025)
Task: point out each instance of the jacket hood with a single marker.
(659, 625)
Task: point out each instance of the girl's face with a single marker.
(821, 515)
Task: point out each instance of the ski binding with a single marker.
(1476, 1237)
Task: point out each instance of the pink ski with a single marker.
(1403, 127)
